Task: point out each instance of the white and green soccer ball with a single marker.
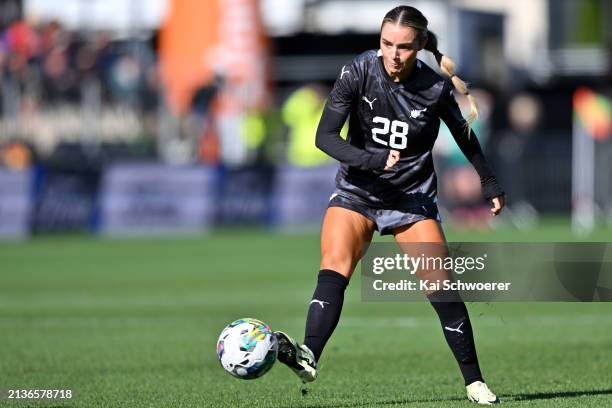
(247, 348)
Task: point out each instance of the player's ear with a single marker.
(423, 38)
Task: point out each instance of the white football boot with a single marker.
(297, 357)
(479, 392)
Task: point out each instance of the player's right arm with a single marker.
(334, 115)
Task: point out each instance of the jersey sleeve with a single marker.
(335, 112)
(468, 143)
(345, 90)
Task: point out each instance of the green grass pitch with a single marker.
(133, 323)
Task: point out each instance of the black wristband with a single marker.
(490, 188)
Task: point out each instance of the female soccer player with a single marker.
(386, 180)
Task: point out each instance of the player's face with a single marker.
(399, 45)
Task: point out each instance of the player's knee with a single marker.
(341, 263)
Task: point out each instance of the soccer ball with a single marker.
(247, 348)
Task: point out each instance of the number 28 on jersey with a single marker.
(398, 132)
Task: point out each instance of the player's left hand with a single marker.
(498, 203)
(392, 159)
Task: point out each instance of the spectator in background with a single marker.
(85, 62)
(46, 68)
(15, 156)
(59, 79)
(301, 113)
(125, 78)
(261, 132)
(524, 114)
(22, 39)
(21, 44)
(51, 35)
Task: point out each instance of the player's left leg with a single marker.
(450, 308)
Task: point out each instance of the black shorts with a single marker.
(385, 219)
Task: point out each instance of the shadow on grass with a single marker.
(382, 403)
(508, 398)
(551, 395)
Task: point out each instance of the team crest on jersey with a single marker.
(416, 113)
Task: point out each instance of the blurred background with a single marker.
(182, 116)
(188, 126)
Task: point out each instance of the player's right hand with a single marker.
(393, 158)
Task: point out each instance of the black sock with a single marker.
(324, 310)
(458, 333)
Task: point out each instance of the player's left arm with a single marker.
(468, 143)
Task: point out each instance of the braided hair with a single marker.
(411, 17)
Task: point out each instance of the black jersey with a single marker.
(384, 115)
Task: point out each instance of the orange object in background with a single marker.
(190, 29)
(594, 111)
(15, 156)
(202, 39)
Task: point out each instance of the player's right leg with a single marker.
(344, 238)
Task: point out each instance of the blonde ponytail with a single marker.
(447, 66)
